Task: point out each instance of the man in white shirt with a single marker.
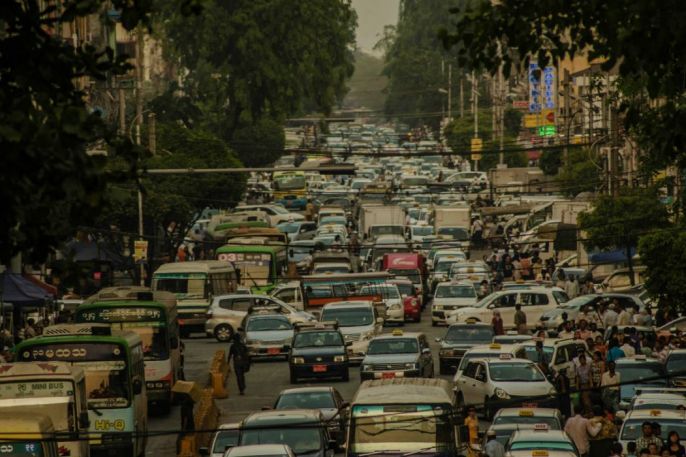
(610, 316)
(624, 317)
(580, 430)
(628, 349)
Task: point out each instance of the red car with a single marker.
(412, 301)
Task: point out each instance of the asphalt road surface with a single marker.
(264, 382)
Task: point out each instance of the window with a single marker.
(534, 299)
(241, 304)
(561, 356)
(286, 295)
(506, 301)
(480, 373)
(470, 371)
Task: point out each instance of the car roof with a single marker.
(652, 415)
(390, 336)
(461, 282)
(302, 390)
(261, 419)
(508, 361)
(549, 435)
(538, 412)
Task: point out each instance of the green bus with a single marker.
(153, 317)
(115, 380)
(260, 267)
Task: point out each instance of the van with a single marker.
(620, 280)
(37, 436)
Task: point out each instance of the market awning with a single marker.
(21, 292)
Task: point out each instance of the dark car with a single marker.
(318, 351)
(398, 355)
(303, 430)
(326, 399)
(457, 340)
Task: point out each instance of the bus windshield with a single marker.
(255, 266)
(184, 285)
(289, 182)
(403, 428)
(105, 365)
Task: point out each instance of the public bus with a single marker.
(318, 290)
(404, 416)
(29, 435)
(115, 380)
(290, 189)
(153, 317)
(53, 390)
(194, 284)
(260, 266)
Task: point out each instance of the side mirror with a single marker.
(204, 451)
(137, 386)
(174, 342)
(84, 422)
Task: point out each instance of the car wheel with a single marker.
(223, 333)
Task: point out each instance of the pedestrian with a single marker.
(309, 210)
(520, 319)
(241, 361)
(30, 329)
(609, 383)
(601, 444)
(624, 317)
(572, 286)
(477, 231)
(648, 438)
(610, 316)
(561, 279)
(562, 386)
(541, 358)
(497, 323)
(583, 381)
(627, 346)
(580, 430)
(493, 447)
(472, 423)
(674, 445)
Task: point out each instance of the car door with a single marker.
(467, 383)
(505, 304)
(561, 360)
(534, 304)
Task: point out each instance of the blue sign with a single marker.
(534, 89)
(549, 87)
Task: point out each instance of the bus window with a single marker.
(184, 285)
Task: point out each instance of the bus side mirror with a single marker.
(174, 342)
(84, 422)
(137, 386)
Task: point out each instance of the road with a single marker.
(264, 382)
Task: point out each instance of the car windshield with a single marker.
(531, 354)
(393, 346)
(301, 439)
(349, 317)
(279, 209)
(552, 422)
(423, 231)
(225, 439)
(405, 289)
(547, 445)
(652, 372)
(578, 302)
(632, 428)
(317, 339)
(675, 364)
(456, 233)
(305, 400)
(515, 372)
(457, 291)
(265, 325)
(468, 334)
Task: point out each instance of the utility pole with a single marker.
(450, 91)
(475, 101)
(567, 85)
(501, 112)
(462, 96)
(139, 121)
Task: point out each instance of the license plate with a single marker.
(319, 368)
(388, 375)
(273, 351)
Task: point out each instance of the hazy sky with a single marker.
(372, 15)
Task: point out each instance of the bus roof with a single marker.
(168, 308)
(251, 248)
(132, 293)
(404, 391)
(38, 369)
(90, 332)
(197, 266)
(30, 425)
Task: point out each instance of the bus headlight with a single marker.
(298, 360)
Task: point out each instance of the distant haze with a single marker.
(372, 16)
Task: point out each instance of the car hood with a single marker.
(461, 344)
(318, 350)
(525, 388)
(468, 310)
(454, 301)
(356, 329)
(390, 358)
(271, 335)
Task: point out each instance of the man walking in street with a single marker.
(493, 447)
(580, 430)
(241, 361)
(520, 319)
(609, 382)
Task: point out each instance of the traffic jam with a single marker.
(410, 306)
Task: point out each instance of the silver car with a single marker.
(268, 335)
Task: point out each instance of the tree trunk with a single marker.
(630, 263)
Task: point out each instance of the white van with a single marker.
(358, 321)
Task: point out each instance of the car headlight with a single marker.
(394, 306)
(500, 393)
(298, 360)
(411, 366)
(339, 358)
(366, 368)
(438, 307)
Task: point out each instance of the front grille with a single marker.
(388, 366)
(319, 359)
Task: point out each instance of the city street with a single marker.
(264, 382)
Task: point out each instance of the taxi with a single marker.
(485, 351)
(449, 296)
(398, 355)
(668, 420)
(659, 398)
(561, 353)
(509, 420)
(459, 339)
(541, 442)
(506, 381)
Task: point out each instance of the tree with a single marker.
(619, 221)
(260, 144)
(664, 254)
(644, 42)
(49, 183)
(255, 59)
(580, 174)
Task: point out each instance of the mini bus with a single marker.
(28, 435)
(261, 266)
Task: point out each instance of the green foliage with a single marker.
(643, 39)
(260, 144)
(254, 59)
(49, 183)
(619, 221)
(513, 121)
(459, 134)
(550, 161)
(664, 253)
(416, 65)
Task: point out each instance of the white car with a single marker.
(541, 442)
(534, 301)
(395, 313)
(358, 321)
(657, 398)
(561, 353)
(449, 296)
(668, 420)
(506, 381)
(277, 214)
(509, 420)
(485, 351)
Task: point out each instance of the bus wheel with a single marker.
(223, 333)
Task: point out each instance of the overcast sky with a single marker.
(372, 15)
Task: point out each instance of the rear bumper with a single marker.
(307, 370)
(369, 375)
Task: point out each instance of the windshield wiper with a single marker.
(430, 448)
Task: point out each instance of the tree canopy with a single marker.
(664, 254)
